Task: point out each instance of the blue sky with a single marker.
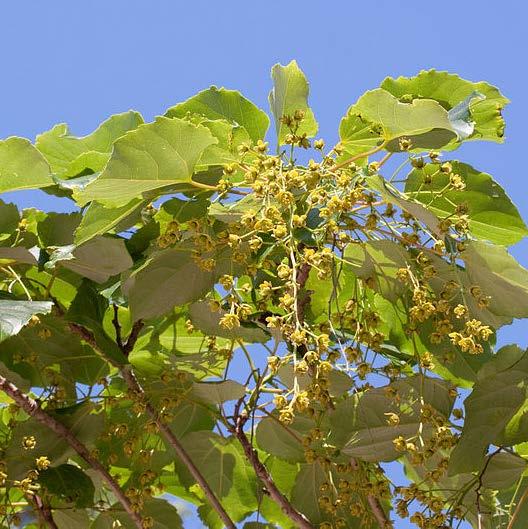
(79, 62)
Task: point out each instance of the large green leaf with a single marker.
(492, 215)
(68, 483)
(57, 228)
(98, 219)
(364, 419)
(450, 90)
(357, 135)
(84, 424)
(499, 276)
(220, 103)
(15, 314)
(73, 361)
(424, 121)
(22, 166)
(279, 440)
(153, 156)
(501, 389)
(380, 261)
(225, 468)
(503, 470)
(290, 93)
(16, 254)
(69, 155)
(9, 219)
(71, 519)
(307, 491)
(170, 278)
(218, 392)
(98, 259)
(88, 309)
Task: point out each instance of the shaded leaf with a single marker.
(68, 483)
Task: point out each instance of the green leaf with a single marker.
(492, 215)
(275, 438)
(70, 156)
(57, 228)
(380, 261)
(501, 389)
(503, 471)
(450, 90)
(218, 392)
(71, 519)
(207, 321)
(290, 93)
(16, 254)
(220, 103)
(154, 155)
(22, 166)
(499, 276)
(88, 309)
(98, 259)
(357, 135)
(165, 516)
(85, 425)
(364, 419)
(15, 314)
(424, 121)
(99, 220)
(68, 483)
(76, 362)
(307, 491)
(225, 468)
(393, 196)
(9, 219)
(170, 278)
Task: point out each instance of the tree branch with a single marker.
(375, 506)
(31, 407)
(173, 441)
(132, 382)
(262, 473)
(44, 512)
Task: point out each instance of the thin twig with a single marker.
(30, 406)
(44, 512)
(517, 511)
(358, 157)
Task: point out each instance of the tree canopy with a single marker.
(258, 331)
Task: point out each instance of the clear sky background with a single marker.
(81, 61)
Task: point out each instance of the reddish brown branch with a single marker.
(132, 339)
(375, 506)
(262, 473)
(173, 441)
(30, 406)
(44, 512)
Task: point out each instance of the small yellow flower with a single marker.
(229, 321)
